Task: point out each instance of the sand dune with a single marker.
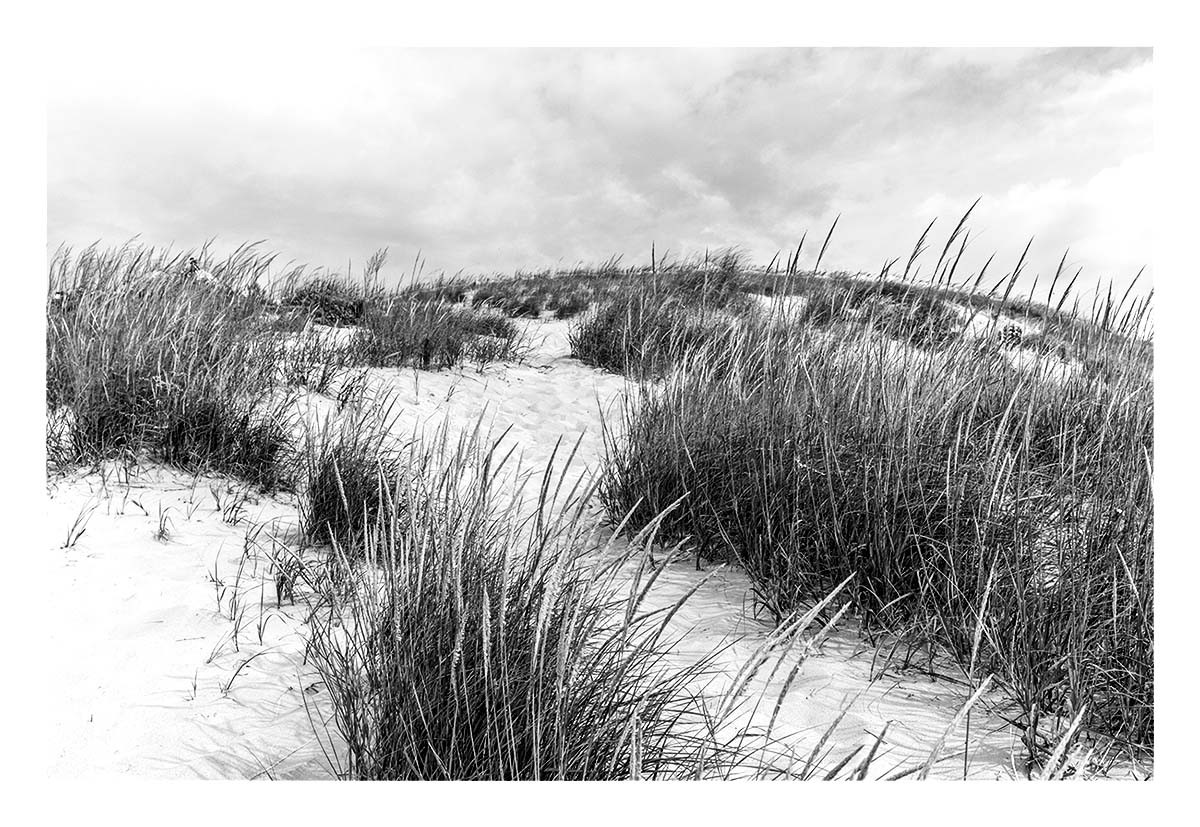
(154, 686)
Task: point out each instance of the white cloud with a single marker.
(497, 160)
(1104, 223)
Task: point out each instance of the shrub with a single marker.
(328, 300)
(571, 304)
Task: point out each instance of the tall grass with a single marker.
(1002, 515)
(643, 334)
(140, 358)
(433, 335)
(474, 633)
(328, 300)
(423, 326)
(145, 358)
(656, 321)
(331, 299)
(565, 294)
(901, 311)
(353, 471)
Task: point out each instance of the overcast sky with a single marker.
(495, 160)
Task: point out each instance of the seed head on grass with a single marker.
(469, 638)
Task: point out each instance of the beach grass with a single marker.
(470, 634)
(148, 360)
(975, 498)
(1000, 514)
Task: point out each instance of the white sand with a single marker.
(136, 619)
(978, 323)
(783, 305)
(141, 654)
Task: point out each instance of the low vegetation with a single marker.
(354, 475)
(973, 473)
(142, 359)
(999, 513)
(658, 319)
(563, 295)
(466, 635)
(145, 358)
(642, 334)
(433, 335)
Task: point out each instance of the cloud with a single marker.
(492, 160)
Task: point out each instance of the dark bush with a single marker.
(434, 336)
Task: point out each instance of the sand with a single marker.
(143, 656)
(152, 685)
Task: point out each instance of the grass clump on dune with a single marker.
(656, 322)
(433, 335)
(472, 652)
(903, 312)
(427, 327)
(143, 358)
(467, 636)
(353, 476)
(448, 290)
(510, 303)
(642, 334)
(564, 294)
(188, 361)
(327, 300)
(1002, 515)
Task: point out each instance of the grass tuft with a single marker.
(998, 513)
(466, 638)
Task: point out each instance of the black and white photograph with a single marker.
(559, 412)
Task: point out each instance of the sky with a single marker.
(494, 160)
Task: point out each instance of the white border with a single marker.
(41, 36)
